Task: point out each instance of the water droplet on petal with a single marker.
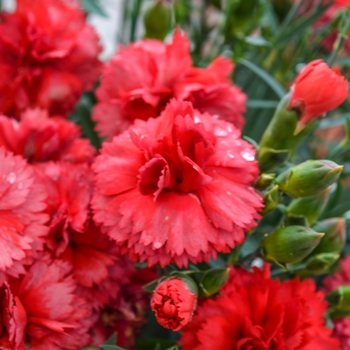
(20, 185)
(11, 178)
(248, 155)
(238, 142)
(218, 131)
(230, 154)
(229, 128)
(197, 119)
(166, 218)
(157, 245)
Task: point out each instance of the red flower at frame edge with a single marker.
(140, 80)
(39, 138)
(48, 56)
(340, 278)
(41, 309)
(22, 217)
(177, 188)
(255, 312)
(317, 89)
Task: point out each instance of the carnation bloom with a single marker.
(41, 310)
(174, 303)
(210, 91)
(316, 90)
(140, 80)
(22, 218)
(255, 312)
(48, 56)
(126, 314)
(151, 179)
(39, 138)
(340, 278)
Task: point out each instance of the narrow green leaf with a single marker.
(266, 77)
(111, 347)
(112, 340)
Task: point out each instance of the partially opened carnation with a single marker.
(140, 79)
(41, 311)
(255, 312)
(174, 301)
(317, 89)
(48, 56)
(39, 138)
(177, 188)
(22, 217)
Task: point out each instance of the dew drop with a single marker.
(238, 142)
(229, 128)
(197, 119)
(11, 178)
(20, 185)
(157, 245)
(228, 192)
(230, 154)
(166, 218)
(248, 155)
(218, 131)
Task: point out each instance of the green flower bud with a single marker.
(271, 200)
(340, 298)
(335, 235)
(264, 181)
(279, 141)
(212, 281)
(158, 20)
(309, 178)
(318, 264)
(309, 207)
(290, 244)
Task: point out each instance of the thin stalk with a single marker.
(134, 18)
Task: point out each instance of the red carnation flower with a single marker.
(210, 91)
(74, 238)
(39, 138)
(174, 302)
(151, 179)
(126, 314)
(340, 278)
(255, 312)
(48, 56)
(331, 87)
(22, 218)
(140, 80)
(41, 310)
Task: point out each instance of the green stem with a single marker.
(134, 18)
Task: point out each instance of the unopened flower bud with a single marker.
(317, 89)
(339, 298)
(290, 244)
(174, 301)
(271, 200)
(157, 20)
(309, 207)
(264, 181)
(318, 264)
(309, 178)
(278, 141)
(335, 235)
